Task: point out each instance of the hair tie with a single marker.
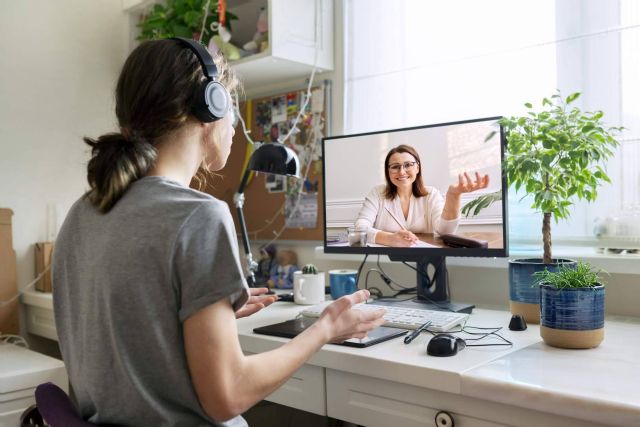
(126, 132)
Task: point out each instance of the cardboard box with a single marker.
(8, 277)
(43, 260)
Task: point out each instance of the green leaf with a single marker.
(572, 97)
(490, 136)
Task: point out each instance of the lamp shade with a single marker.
(275, 158)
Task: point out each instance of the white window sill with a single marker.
(612, 263)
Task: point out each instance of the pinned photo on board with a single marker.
(276, 183)
(279, 109)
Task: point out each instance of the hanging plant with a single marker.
(183, 18)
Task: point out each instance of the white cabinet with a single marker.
(21, 371)
(300, 35)
(305, 390)
(380, 403)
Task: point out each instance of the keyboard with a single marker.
(404, 317)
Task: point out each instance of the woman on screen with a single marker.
(393, 212)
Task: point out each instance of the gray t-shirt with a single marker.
(124, 282)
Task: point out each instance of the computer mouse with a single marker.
(444, 345)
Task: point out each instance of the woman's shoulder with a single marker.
(378, 190)
(171, 199)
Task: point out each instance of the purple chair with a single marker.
(54, 407)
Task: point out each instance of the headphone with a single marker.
(212, 99)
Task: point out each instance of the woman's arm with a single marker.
(368, 214)
(228, 383)
(399, 239)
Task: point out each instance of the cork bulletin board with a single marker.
(269, 199)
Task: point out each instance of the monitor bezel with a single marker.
(419, 253)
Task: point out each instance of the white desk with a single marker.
(529, 384)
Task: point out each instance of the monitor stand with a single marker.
(432, 288)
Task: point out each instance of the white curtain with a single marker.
(416, 62)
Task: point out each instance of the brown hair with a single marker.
(154, 94)
(418, 189)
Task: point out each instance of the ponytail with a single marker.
(116, 162)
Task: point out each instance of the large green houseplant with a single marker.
(555, 155)
(183, 18)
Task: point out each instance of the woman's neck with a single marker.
(179, 155)
(404, 193)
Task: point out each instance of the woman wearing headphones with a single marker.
(146, 270)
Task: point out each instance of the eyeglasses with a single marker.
(408, 166)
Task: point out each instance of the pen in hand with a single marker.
(417, 332)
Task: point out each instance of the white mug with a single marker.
(308, 289)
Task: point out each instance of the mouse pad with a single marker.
(291, 328)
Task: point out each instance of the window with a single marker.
(412, 62)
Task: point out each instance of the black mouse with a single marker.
(444, 345)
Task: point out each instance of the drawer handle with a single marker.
(444, 419)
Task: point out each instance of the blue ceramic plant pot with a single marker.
(572, 317)
(524, 295)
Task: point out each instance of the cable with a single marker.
(4, 303)
(387, 279)
(308, 145)
(13, 339)
(493, 332)
(360, 269)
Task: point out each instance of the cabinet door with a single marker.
(373, 402)
(299, 27)
(305, 390)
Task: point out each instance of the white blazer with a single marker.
(425, 214)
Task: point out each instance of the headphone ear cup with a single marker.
(212, 102)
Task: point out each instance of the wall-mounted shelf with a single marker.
(300, 34)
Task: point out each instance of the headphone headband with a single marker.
(206, 61)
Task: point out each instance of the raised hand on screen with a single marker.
(466, 185)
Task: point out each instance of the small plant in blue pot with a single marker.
(571, 306)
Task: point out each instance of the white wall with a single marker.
(59, 61)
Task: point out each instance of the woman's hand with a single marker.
(399, 239)
(343, 323)
(466, 185)
(257, 301)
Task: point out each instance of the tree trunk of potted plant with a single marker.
(546, 238)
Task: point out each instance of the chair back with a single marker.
(56, 407)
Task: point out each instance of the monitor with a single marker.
(374, 204)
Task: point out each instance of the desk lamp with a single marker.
(272, 158)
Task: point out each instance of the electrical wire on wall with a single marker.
(308, 146)
(313, 136)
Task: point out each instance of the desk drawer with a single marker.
(373, 402)
(41, 322)
(305, 390)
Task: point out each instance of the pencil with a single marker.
(395, 218)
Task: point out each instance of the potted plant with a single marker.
(571, 306)
(183, 18)
(308, 285)
(309, 269)
(556, 155)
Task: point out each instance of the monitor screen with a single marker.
(402, 192)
